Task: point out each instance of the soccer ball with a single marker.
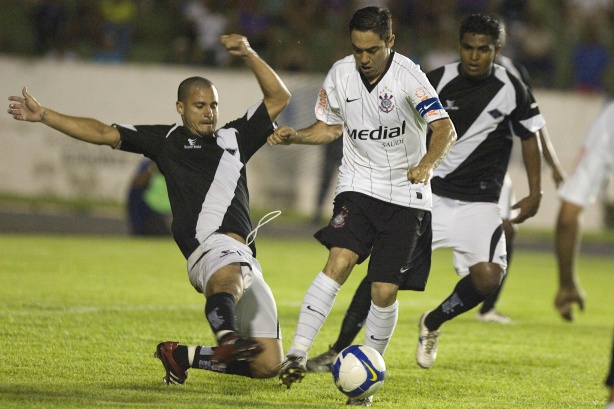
(359, 371)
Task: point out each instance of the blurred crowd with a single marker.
(564, 44)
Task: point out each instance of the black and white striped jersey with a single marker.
(385, 126)
(205, 177)
(486, 113)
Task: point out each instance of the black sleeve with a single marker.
(143, 139)
(253, 129)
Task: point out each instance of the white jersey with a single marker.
(595, 164)
(385, 126)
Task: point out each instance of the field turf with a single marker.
(80, 318)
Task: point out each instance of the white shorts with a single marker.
(472, 230)
(256, 311)
(507, 199)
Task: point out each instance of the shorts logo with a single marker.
(339, 220)
(386, 103)
(227, 253)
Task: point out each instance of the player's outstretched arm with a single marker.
(531, 154)
(442, 138)
(27, 108)
(319, 133)
(558, 175)
(567, 246)
(276, 95)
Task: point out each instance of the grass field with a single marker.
(80, 318)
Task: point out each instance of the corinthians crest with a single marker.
(386, 102)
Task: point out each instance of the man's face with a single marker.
(371, 53)
(477, 55)
(199, 112)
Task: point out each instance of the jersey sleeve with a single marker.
(424, 98)
(143, 139)
(327, 106)
(595, 163)
(526, 118)
(253, 129)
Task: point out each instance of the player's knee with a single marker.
(486, 277)
(383, 294)
(265, 370)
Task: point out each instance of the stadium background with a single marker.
(62, 51)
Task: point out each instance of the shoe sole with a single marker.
(292, 375)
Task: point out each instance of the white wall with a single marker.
(36, 160)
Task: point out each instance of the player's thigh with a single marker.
(399, 233)
(478, 237)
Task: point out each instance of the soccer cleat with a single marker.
(493, 316)
(323, 362)
(360, 402)
(426, 351)
(293, 369)
(235, 347)
(175, 374)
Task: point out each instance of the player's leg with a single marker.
(353, 321)
(609, 382)
(479, 257)
(488, 312)
(223, 280)
(316, 306)
(348, 237)
(400, 251)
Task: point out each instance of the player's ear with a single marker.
(390, 41)
(179, 106)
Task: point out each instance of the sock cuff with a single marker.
(325, 280)
(390, 308)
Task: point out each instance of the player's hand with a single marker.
(420, 174)
(565, 298)
(528, 208)
(26, 108)
(284, 135)
(237, 45)
(558, 177)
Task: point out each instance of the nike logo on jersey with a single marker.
(352, 100)
(310, 308)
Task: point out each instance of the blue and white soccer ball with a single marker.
(359, 371)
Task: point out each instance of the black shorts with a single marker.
(397, 238)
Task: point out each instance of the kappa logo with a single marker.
(192, 144)
(450, 105)
(495, 113)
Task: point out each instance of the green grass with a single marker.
(80, 318)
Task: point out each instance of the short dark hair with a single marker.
(376, 19)
(188, 83)
(481, 24)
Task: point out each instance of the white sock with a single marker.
(380, 326)
(316, 306)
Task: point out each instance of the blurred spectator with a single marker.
(444, 51)
(208, 24)
(256, 23)
(118, 19)
(584, 13)
(333, 152)
(109, 50)
(148, 205)
(590, 61)
(50, 21)
(536, 50)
